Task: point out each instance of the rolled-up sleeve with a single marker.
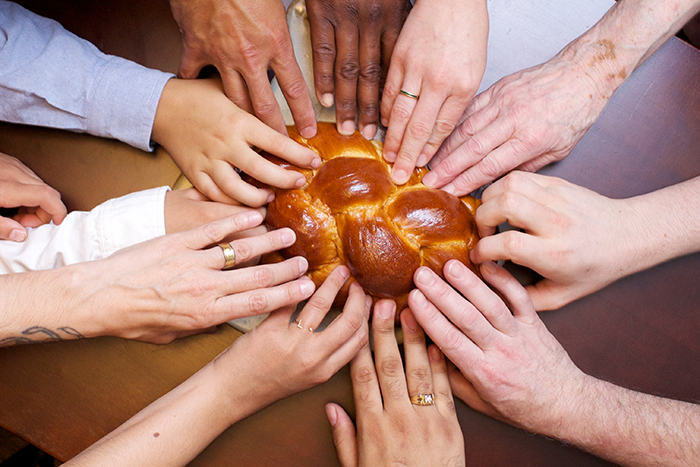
(85, 236)
(50, 77)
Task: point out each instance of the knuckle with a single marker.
(257, 302)
(296, 90)
(348, 69)
(265, 108)
(363, 374)
(213, 231)
(512, 243)
(250, 55)
(243, 250)
(401, 112)
(324, 52)
(262, 277)
(421, 375)
(443, 128)
(510, 202)
(371, 72)
(419, 131)
(370, 110)
(375, 12)
(491, 167)
(392, 367)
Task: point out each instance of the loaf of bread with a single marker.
(350, 212)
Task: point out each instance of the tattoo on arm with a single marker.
(37, 334)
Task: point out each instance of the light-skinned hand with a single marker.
(390, 429)
(244, 39)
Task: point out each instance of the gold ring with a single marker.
(311, 329)
(423, 399)
(229, 255)
(298, 323)
(408, 94)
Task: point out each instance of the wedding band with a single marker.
(423, 399)
(229, 255)
(408, 94)
(311, 329)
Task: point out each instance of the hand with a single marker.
(352, 42)
(512, 368)
(208, 137)
(173, 285)
(440, 56)
(573, 237)
(243, 39)
(525, 121)
(38, 203)
(281, 357)
(390, 429)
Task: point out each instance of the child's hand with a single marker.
(208, 137)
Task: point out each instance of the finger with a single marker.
(230, 183)
(264, 102)
(281, 146)
(392, 379)
(463, 314)
(368, 84)
(344, 436)
(419, 378)
(264, 300)
(524, 183)
(390, 91)
(444, 125)
(12, 230)
(40, 196)
(518, 210)
(399, 117)
(441, 382)
(215, 232)
(235, 89)
(190, 65)
(452, 341)
(347, 70)
(323, 46)
(252, 247)
(511, 290)
(365, 385)
(418, 131)
(518, 247)
(549, 295)
(481, 297)
(351, 328)
(261, 169)
(296, 92)
(317, 307)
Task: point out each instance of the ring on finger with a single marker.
(423, 399)
(409, 94)
(229, 255)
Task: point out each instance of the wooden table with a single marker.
(640, 332)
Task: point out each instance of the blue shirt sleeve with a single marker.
(50, 77)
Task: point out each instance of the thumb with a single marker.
(548, 295)
(12, 230)
(343, 435)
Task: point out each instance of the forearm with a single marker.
(625, 37)
(175, 428)
(661, 225)
(630, 428)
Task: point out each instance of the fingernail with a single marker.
(385, 122)
(331, 414)
(307, 132)
(418, 298)
(429, 179)
(434, 354)
(456, 270)
(18, 235)
(288, 236)
(301, 181)
(425, 277)
(422, 160)
(389, 156)
(271, 198)
(450, 188)
(369, 131)
(327, 100)
(347, 128)
(344, 272)
(399, 176)
(316, 163)
(385, 310)
(254, 217)
(303, 265)
(307, 287)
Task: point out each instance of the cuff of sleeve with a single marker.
(124, 100)
(131, 219)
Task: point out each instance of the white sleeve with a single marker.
(86, 236)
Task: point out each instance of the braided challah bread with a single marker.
(350, 212)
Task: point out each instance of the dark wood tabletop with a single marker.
(640, 332)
